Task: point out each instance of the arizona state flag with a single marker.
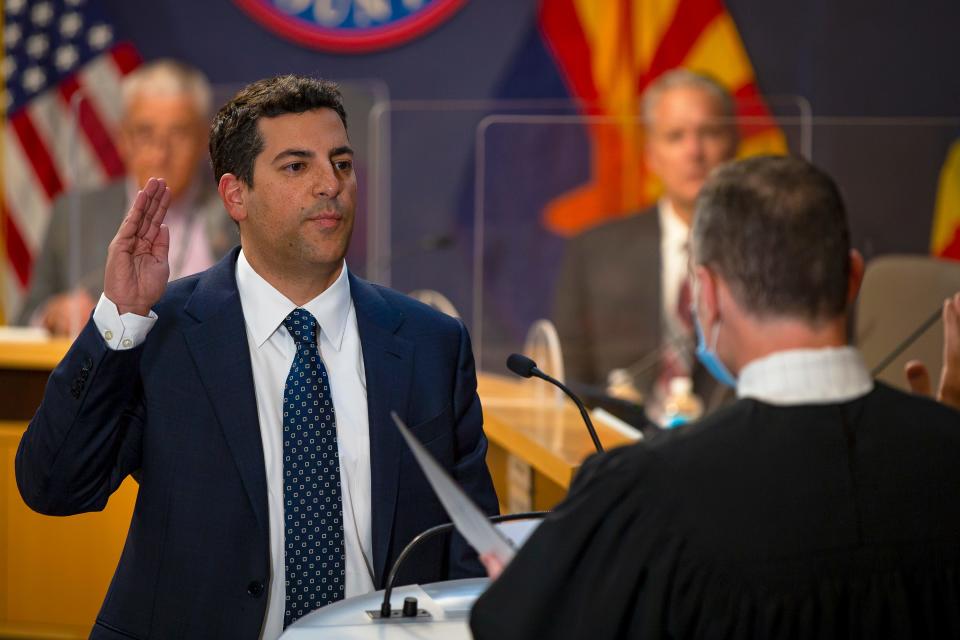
(608, 53)
(945, 238)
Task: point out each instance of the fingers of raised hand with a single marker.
(951, 330)
(161, 244)
(949, 392)
(918, 378)
(156, 207)
(131, 222)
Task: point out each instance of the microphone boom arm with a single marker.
(386, 610)
(583, 410)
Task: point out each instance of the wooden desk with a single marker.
(527, 421)
(54, 572)
(24, 368)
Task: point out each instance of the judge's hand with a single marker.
(66, 313)
(917, 375)
(137, 268)
(493, 564)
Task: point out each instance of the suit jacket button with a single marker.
(255, 588)
(88, 363)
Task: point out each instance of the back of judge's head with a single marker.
(775, 229)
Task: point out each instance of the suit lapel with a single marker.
(218, 345)
(388, 362)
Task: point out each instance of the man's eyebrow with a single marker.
(296, 153)
(339, 151)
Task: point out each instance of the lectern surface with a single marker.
(448, 603)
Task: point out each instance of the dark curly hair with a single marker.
(235, 140)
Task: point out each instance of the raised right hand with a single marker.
(918, 377)
(137, 268)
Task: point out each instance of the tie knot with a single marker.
(302, 326)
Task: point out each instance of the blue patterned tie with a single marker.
(311, 479)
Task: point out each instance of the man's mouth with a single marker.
(325, 219)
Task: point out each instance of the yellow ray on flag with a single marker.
(945, 236)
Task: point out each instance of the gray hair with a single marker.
(775, 228)
(687, 79)
(167, 77)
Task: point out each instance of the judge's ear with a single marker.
(855, 279)
(233, 194)
(707, 295)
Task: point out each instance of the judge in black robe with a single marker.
(762, 521)
(819, 505)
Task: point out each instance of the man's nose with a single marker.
(326, 184)
(695, 145)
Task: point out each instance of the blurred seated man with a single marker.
(163, 132)
(621, 285)
(821, 504)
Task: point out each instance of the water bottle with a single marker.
(681, 404)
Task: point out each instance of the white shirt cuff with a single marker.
(121, 332)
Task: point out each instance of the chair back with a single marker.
(898, 293)
(436, 300)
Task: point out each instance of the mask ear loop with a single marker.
(716, 335)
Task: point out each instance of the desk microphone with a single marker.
(525, 368)
(387, 612)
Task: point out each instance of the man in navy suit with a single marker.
(252, 401)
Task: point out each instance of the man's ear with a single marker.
(855, 279)
(707, 295)
(233, 193)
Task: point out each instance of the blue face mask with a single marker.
(708, 357)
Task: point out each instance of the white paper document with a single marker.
(466, 516)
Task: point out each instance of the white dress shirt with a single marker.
(272, 350)
(674, 256)
(806, 376)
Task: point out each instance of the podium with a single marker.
(448, 604)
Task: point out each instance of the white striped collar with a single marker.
(806, 376)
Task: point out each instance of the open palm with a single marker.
(918, 377)
(137, 267)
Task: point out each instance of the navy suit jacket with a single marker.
(179, 412)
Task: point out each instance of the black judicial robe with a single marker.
(761, 521)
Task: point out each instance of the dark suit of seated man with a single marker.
(618, 301)
(821, 504)
(252, 401)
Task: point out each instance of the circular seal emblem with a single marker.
(350, 26)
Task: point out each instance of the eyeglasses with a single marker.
(144, 137)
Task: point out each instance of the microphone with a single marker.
(526, 368)
(386, 611)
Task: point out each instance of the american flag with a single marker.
(62, 65)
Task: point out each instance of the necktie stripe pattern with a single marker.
(313, 512)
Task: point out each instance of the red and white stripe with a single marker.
(45, 152)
